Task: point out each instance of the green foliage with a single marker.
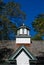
(13, 10)
(8, 12)
(6, 26)
(5, 53)
(38, 25)
(37, 37)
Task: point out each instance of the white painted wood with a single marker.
(21, 31)
(28, 32)
(23, 40)
(23, 59)
(25, 31)
(18, 32)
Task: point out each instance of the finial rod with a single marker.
(23, 24)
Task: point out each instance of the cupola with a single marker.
(23, 35)
(23, 30)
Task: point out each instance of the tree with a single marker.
(5, 53)
(8, 12)
(38, 25)
(13, 10)
(37, 37)
(6, 27)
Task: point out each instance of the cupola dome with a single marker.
(23, 30)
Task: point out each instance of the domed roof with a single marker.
(23, 26)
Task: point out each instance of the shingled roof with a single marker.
(36, 48)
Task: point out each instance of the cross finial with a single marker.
(23, 24)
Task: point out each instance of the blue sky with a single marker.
(32, 8)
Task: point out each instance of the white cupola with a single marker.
(23, 30)
(23, 35)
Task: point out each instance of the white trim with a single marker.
(23, 40)
(25, 50)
